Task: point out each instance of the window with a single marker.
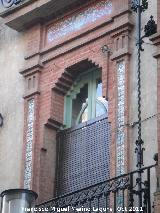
(84, 100)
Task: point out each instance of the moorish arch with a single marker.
(85, 135)
(72, 70)
(69, 77)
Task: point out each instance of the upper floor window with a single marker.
(84, 101)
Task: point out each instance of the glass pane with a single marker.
(101, 103)
(84, 115)
(99, 88)
(78, 105)
(100, 110)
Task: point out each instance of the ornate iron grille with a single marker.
(83, 158)
(108, 191)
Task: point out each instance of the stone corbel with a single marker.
(53, 124)
(121, 43)
(31, 82)
(156, 41)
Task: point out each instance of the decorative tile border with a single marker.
(120, 169)
(29, 144)
(79, 21)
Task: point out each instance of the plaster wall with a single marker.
(11, 106)
(149, 95)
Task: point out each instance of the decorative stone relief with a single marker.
(29, 144)
(120, 117)
(9, 3)
(79, 21)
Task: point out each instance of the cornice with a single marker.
(156, 41)
(120, 54)
(31, 12)
(155, 38)
(32, 94)
(109, 28)
(31, 70)
(53, 124)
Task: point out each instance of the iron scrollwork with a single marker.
(139, 6)
(10, 3)
(150, 27)
(109, 195)
(135, 5)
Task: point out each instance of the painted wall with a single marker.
(11, 106)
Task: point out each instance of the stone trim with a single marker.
(54, 68)
(31, 11)
(53, 124)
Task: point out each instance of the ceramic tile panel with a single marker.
(79, 21)
(29, 138)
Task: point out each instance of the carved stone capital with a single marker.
(31, 82)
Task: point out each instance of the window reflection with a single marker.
(87, 102)
(78, 105)
(99, 88)
(84, 116)
(101, 103)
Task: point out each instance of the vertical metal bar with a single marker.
(98, 204)
(139, 68)
(115, 202)
(123, 198)
(90, 205)
(148, 193)
(131, 198)
(106, 196)
(139, 145)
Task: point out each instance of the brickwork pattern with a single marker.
(53, 68)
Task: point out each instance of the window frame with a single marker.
(89, 77)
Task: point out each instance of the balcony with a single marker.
(119, 194)
(83, 155)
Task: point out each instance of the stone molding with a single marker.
(49, 66)
(31, 12)
(156, 41)
(53, 124)
(119, 30)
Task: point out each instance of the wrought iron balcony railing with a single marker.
(119, 194)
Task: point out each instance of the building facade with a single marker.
(69, 94)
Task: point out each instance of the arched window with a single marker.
(84, 100)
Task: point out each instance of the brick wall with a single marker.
(47, 65)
